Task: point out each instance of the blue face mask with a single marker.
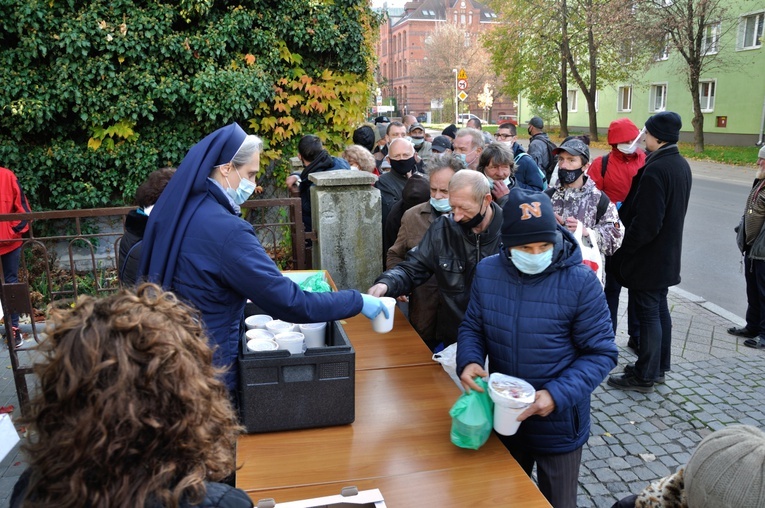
(531, 264)
(243, 191)
(441, 205)
(461, 156)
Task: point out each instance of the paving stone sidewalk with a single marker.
(636, 438)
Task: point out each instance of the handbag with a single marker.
(591, 255)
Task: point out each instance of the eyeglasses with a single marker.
(503, 136)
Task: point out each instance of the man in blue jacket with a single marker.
(540, 315)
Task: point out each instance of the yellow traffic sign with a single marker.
(462, 96)
(462, 74)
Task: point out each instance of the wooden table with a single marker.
(399, 442)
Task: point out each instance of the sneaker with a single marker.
(19, 338)
(742, 332)
(630, 382)
(758, 343)
(634, 344)
(630, 370)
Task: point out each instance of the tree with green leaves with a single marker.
(593, 42)
(98, 94)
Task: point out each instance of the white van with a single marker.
(464, 117)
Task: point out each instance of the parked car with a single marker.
(464, 117)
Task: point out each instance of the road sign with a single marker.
(462, 96)
(462, 84)
(462, 74)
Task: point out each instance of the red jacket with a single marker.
(621, 167)
(12, 200)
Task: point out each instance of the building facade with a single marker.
(732, 91)
(402, 47)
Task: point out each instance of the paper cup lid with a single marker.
(511, 389)
(262, 345)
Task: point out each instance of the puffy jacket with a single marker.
(12, 200)
(221, 264)
(451, 254)
(218, 495)
(552, 329)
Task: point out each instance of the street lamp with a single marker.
(456, 116)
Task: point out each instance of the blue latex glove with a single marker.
(373, 306)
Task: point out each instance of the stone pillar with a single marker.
(347, 216)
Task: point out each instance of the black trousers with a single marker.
(754, 274)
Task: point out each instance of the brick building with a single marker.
(402, 47)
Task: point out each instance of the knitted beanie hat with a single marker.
(528, 217)
(727, 469)
(665, 126)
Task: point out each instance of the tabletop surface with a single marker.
(399, 442)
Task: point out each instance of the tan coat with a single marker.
(423, 302)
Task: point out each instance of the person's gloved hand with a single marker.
(373, 306)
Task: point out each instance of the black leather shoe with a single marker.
(742, 332)
(631, 383)
(629, 369)
(758, 343)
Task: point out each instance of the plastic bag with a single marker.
(448, 360)
(472, 418)
(315, 284)
(590, 252)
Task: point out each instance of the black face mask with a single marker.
(569, 176)
(402, 167)
(468, 225)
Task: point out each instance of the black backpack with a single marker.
(553, 161)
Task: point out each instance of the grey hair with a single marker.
(475, 181)
(251, 145)
(443, 161)
(475, 134)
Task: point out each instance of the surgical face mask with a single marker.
(243, 191)
(528, 263)
(354, 167)
(469, 224)
(626, 148)
(417, 142)
(569, 176)
(403, 166)
(441, 205)
(461, 157)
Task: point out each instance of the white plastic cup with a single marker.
(257, 333)
(514, 397)
(262, 344)
(257, 321)
(380, 323)
(314, 334)
(278, 326)
(293, 342)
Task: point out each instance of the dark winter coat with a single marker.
(653, 215)
(451, 254)
(323, 162)
(552, 329)
(130, 247)
(527, 173)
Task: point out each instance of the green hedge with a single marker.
(95, 95)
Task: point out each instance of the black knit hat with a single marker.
(665, 126)
(450, 131)
(528, 217)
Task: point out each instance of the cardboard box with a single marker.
(282, 391)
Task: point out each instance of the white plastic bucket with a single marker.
(511, 396)
(314, 334)
(293, 342)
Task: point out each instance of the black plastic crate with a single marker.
(282, 391)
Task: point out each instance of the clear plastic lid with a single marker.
(504, 388)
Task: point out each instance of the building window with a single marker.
(572, 101)
(663, 53)
(587, 106)
(658, 99)
(711, 39)
(707, 95)
(625, 99)
(750, 31)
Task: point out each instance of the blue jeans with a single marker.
(11, 274)
(655, 332)
(754, 274)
